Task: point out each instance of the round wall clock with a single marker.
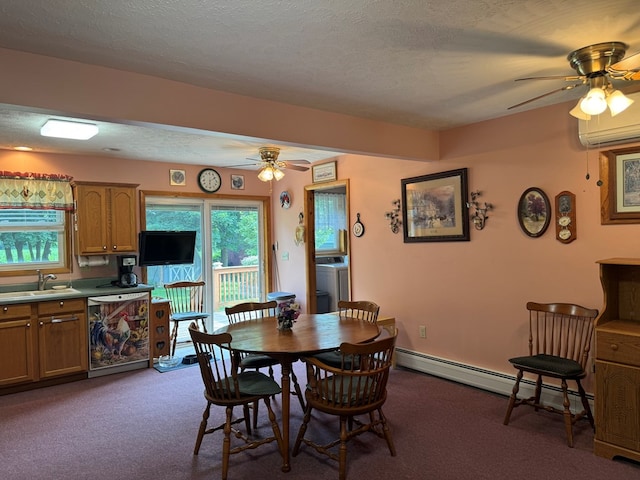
(209, 180)
(358, 227)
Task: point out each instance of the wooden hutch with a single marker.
(617, 332)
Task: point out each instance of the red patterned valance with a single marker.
(41, 191)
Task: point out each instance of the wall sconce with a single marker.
(394, 217)
(479, 216)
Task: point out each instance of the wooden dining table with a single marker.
(311, 333)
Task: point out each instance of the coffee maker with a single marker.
(126, 277)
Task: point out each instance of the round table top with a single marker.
(311, 333)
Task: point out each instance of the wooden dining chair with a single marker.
(186, 305)
(226, 387)
(559, 345)
(348, 391)
(362, 309)
(252, 311)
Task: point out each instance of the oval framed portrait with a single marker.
(534, 212)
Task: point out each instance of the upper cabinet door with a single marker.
(105, 218)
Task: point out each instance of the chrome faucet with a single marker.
(43, 279)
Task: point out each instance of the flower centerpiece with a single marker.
(287, 314)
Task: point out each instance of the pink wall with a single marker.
(470, 295)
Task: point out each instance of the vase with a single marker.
(284, 322)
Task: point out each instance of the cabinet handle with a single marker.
(115, 247)
(72, 318)
(5, 309)
(104, 247)
(614, 346)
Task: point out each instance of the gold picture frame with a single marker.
(620, 186)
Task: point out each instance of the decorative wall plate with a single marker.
(358, 227)
(285, 199)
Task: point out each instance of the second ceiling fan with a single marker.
(271, 168)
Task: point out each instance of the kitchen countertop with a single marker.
(85, 288)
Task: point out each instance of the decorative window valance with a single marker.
(41, 191)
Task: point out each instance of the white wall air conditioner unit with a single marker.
(603, 130)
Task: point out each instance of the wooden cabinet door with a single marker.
(105, 218)
(617, 404)
(92, 219)
(123, 219)
(17, 340)
(62, 337)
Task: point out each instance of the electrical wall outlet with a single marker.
(423, 331)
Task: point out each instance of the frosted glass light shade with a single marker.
(278, 174)
(618, 102)
(594, 103)
(266, 174)
(71, 130)
(578, 113)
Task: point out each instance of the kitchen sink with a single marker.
(37, 293)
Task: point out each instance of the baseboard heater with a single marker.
(481, 378)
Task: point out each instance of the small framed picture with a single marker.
(237, 182)
(325, 172)
(177, 177)
(534, 212)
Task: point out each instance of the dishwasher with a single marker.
(118, 333)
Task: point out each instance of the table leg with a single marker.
(286, 405)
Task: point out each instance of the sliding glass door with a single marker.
(230, 250)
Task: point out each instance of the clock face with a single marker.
(564, 234)
(564, 221)
(209, 180)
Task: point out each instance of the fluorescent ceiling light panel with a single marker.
(72, 130)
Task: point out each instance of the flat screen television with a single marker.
(161, 247)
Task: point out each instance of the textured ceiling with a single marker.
(432, 64)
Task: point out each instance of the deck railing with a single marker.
(234, 284)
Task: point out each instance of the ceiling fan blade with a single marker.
(245, 164)
(298, 161)
(570, 78)
(296, 167)
(568, 87)
(630, 63)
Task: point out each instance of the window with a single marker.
(331, 219)
(33, 239)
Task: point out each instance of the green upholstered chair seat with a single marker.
(550, 364)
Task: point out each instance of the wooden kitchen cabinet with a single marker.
(617, 333)
(62, 337)
(17, 340)
(41, 341)
(105, 218)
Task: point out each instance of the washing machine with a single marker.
(332, 276)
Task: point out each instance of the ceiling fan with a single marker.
(271, 167)
(597, 65)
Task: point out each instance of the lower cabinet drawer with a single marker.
(618, 347)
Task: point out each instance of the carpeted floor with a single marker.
(142, 425)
